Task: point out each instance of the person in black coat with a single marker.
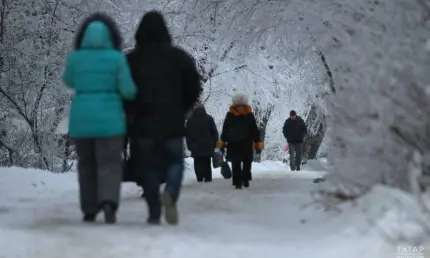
(168, 87)
(201, 135)
(240, 135)
(294, 131)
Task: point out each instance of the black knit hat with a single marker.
(293, 113)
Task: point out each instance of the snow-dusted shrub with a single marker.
(381, 108)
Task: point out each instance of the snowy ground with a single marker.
(39, 217)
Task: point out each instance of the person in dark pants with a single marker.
(98, 72)
(201, 135)
(240, 135)
(294, 131)
(168, 86)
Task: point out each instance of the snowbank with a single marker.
(18, 184)
(274, 210)
(386, 219)
(316, 165)
(392, 213)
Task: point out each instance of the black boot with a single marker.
(153, 221)
(110, 213)
(89, 218)
(246, 184)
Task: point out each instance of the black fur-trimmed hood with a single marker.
(200, 111)
(152, 29)
(110, 24)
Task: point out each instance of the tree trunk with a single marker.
(2, 23)
(262, 116)
(316, 119)
(316, 124)
(34, 116)
(67, 145)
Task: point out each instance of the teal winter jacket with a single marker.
(101, 79)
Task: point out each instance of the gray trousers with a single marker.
(99, 172)
(295, 150)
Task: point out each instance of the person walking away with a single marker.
(99, 74)
(168, 88)
(201, 135)
(240, 135)
(294, 131)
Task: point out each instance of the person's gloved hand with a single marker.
(258, 146)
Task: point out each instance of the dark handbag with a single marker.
(225, 170)
(128, 173)
(128, 166)
(217, 159)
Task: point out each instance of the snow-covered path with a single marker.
(271, 218)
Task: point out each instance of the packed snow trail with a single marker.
(270, 219)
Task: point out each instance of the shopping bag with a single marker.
(217, 159)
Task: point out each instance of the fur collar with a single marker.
(240, 110)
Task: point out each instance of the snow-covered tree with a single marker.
(377, 54)
(36, 36)
(358, 67)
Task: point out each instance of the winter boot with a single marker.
(170, 211)
(246, 184)
(89, 218)
(110, 213)
(153, 221)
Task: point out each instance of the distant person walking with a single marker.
(201, 135)
(240, 135)
(294, 131)
(168, 87)
(98, 72)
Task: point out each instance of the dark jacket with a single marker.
(294, 130)
(167, 80)
(201, 134)
(240, 134)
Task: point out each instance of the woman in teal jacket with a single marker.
(99, 74)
